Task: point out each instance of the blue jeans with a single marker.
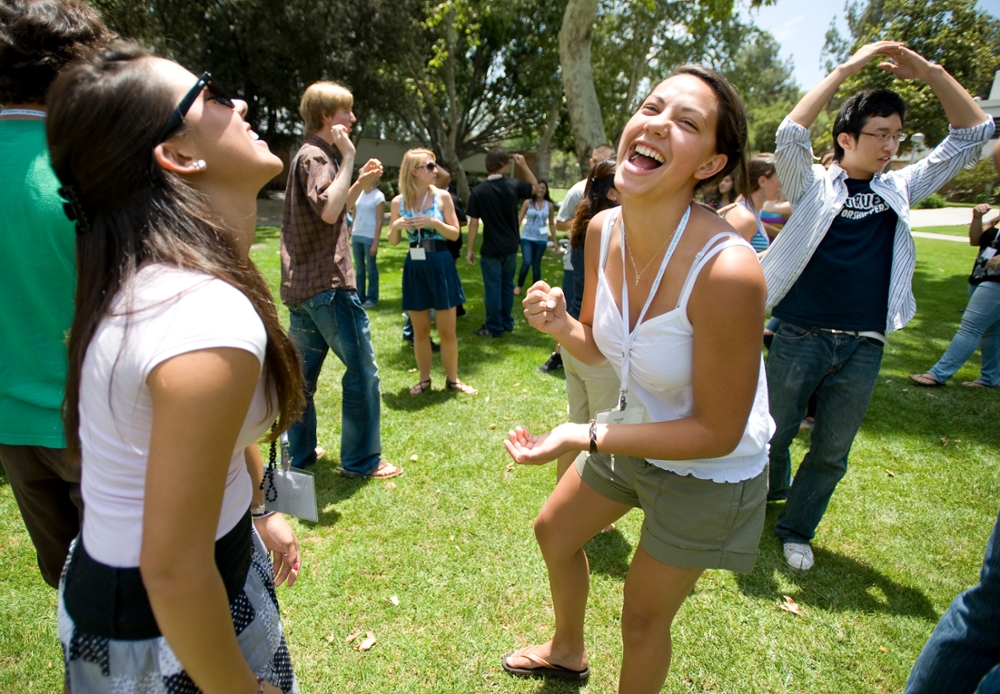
(965, 646)
(498, 291)
(365, 269)
(335, 320)
(980, 327)
(531, 255)
(841, 370)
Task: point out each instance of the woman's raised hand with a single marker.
(545, 307)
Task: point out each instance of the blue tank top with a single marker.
(759, 241)
(536, 221)
(427, 234)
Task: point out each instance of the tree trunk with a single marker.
(544, 158)
(575, 37)
(454, 110)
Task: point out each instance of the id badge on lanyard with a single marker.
(633, 412)
(418, 253)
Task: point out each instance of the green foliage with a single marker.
(954, 33)
(977, 184)
(934, 201)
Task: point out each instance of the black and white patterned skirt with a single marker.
(99, 665)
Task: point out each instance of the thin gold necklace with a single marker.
(635, 269)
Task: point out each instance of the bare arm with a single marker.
(369, 172)
(397, 223)
(470, 253)
(552, 228)
(529, 175)
(199, 402)
(379, 217)
(976, 227)
(520, 215)
(809, 107)
(545, 306)
(277, 535)
(725, 370)
(742, 220)
(337, 192)
(961, 109)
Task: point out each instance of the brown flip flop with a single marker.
(543, 668)
(926, 381)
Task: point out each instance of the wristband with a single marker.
(593, 436)
(257, 510)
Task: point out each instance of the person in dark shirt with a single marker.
(495, 201)
(839, 273)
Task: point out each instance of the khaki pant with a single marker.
(46, 485)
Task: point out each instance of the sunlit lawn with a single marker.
(452, 539)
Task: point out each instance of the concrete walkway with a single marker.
(944, 217)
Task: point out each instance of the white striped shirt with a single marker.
(817, 197)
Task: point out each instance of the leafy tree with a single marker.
(953, 33)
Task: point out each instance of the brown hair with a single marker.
(38, 38)
(103, 121)
(497, 160)
(595, 199)
(759, 165)
(323, 99)
(411, 160)
(730, 128)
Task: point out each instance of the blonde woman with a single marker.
(430, 280)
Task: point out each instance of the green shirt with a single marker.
(37, 282)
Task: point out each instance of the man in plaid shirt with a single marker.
(318, 286)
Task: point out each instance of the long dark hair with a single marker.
(595, 199)
(104, 116)
(534, 198)
(730, 128)
(759, 165)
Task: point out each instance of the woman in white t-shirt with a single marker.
(674, 299)
(177, 366)
(368, 213)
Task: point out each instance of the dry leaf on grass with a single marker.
(412, 371)
(945, 440)
(890, 472)
(329, 639)
(493, 426)
(413, 458)
(790, 606)
(390, 484)
(394, 600)
(367, 643)
(353, 636)
(883, 649)
(510, 467)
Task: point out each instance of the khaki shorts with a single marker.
(589, 389)
(689, 522)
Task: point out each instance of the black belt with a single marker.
(430, 245)
(112, 603)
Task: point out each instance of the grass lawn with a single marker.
(452, 539)
(959, 230)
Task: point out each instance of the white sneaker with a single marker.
(799, 556)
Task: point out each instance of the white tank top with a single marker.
(660, 367)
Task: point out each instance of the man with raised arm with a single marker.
(318, 285)
(839, 274)
(495, 201)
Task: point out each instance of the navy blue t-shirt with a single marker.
(845, 285)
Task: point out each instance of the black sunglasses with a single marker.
(177, 117)
(430, 166)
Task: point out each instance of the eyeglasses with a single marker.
(431, 166)
(177, 117)
(885, 137)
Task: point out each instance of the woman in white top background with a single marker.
(368, 213)
(674, 298)
(177, 365)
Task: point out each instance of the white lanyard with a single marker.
(22, 112)
(627, 349)
(412, 213)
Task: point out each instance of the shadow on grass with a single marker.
(332, 488)
(609, 553)
(836, 582)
